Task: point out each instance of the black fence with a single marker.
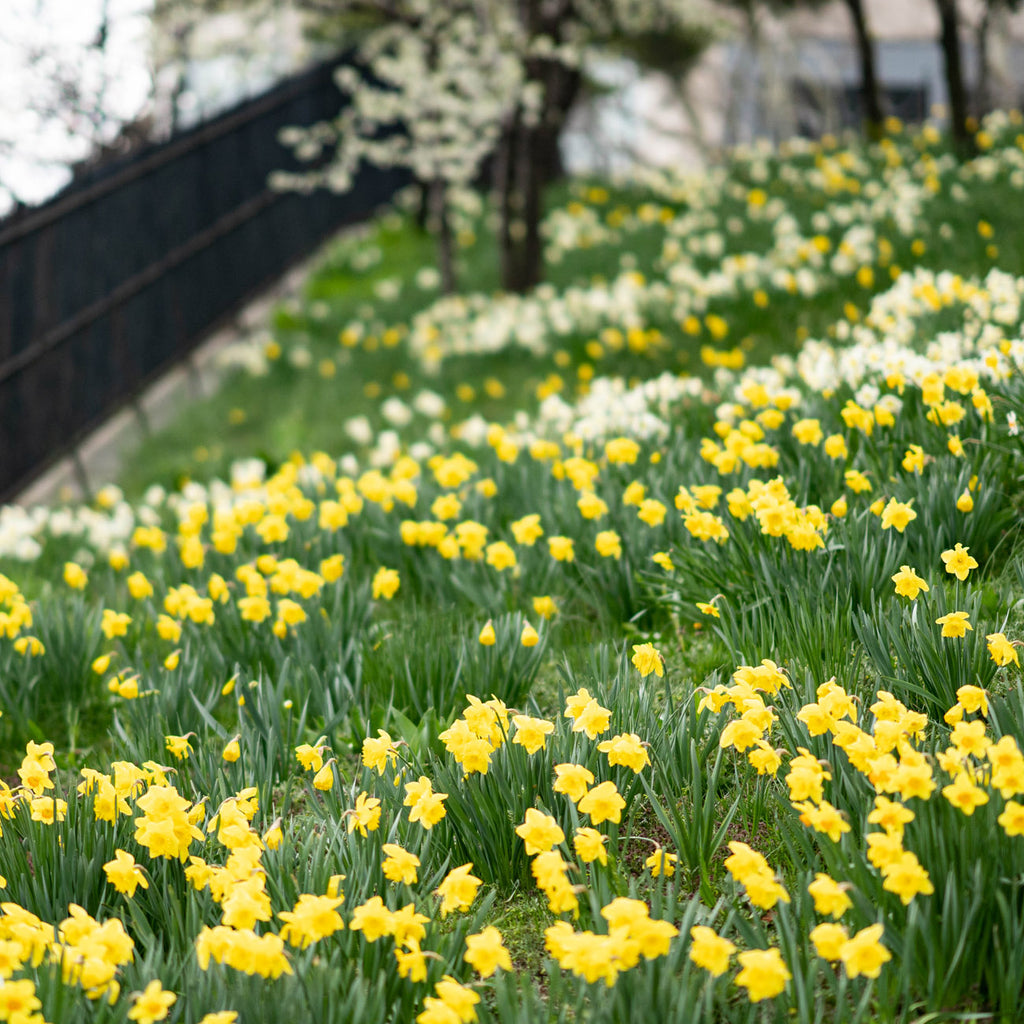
(124, 273)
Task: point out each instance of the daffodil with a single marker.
(958, 562)
(458, 889)
(124, 874)
(485, 952)
(151, 1005)
(709, 950)
(647, 659)
(954, 624)
(763, 973)
(908, 583)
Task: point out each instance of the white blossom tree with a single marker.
(449, 89)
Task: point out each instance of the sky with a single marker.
(44, 42)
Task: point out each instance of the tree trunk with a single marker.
(445, 242)
(423, 202)
(520, 195)
(870, 91)
(504, 188)
(521, 205)
(182, 47)
(528, 158)
(963, 141)
(983, 102)
(533, 175)
(528, 161)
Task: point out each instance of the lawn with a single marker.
(643, 648)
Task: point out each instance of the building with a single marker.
(775, 76)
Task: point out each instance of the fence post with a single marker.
(81, 477)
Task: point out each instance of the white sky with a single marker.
(41, 43)
(44, 42)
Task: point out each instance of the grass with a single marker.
(522, 918)
(297, 408)
(788, 621)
